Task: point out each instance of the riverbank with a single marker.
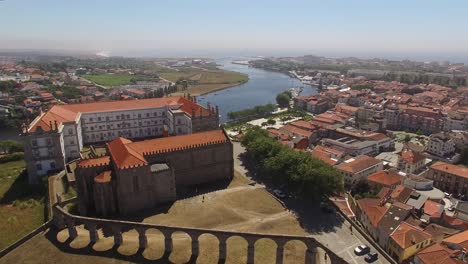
(203, 89)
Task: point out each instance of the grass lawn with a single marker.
(109, 80)
(206, 80)
(21, 205)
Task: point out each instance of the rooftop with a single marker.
(407, 235)
(438, 254)
(412, 157)
(358, 164)
(459, 171)
(126, 153)
(69, 112)
(103, 177)
(385, 177)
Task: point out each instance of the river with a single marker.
(262, 88)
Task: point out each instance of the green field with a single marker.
(21, 205)
(109, 80)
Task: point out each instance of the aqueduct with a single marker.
(63, 219)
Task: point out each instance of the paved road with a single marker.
(332, 230)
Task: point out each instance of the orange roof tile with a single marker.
(412, 157)
(297, 131)
(371, 207)
(358, 164)
(105, 160)
(401, 193)
(451, 169)
(433, 209)
(407, 235)
(460, 239)
(438, 254)
(126, 153)
(386, 178)
(103, 177)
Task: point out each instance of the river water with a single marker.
(262, 88)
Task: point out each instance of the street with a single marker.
(330, 229)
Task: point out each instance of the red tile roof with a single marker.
(325, 154)
(101, 161)
(433, 209)
(358, 164)
(371, 207)
(412, 157)
(297, 131)
(126, 153)
(407, 235)
(460, 239)
(103, 177)
(438, 254)
(401, 193)
(386, 178)
(451, 169)
(69, 112)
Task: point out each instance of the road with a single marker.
(330, 229)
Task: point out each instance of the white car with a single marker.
(361, 250)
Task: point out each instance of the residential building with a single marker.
(384, 178)
(357, 169)
(406, 241)
(370, 211)
(58, 135)
(393, 217)
(449, 178)
(328, 155)
(134, 176)
(411, 162)
(440, 145)
(357, 142)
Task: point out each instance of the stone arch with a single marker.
(295, 251)
(208, 247)
(130, 241)
(155, 240)
(181, 247)
(266, 250)
(235, 244)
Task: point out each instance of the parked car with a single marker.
(371, 257)
(361, 250)
(451, 209)
(279, 193)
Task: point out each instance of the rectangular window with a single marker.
(52, 165)
(34, 143)
(70, 131)
(39, 166)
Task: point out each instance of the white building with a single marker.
(58, 135)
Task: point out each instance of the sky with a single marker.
(400, 28)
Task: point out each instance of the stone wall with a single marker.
(63, 219)
(199, 165)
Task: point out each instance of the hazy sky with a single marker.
(364, 27)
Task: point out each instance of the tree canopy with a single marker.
(283, 99)
(303, 175)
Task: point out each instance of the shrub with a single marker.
(11, 157)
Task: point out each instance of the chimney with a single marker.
(56, 126)
(217, 111)
(50, 125)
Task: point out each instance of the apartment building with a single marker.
(357, 169)
(449, 178)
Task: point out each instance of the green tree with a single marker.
(283, 99)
